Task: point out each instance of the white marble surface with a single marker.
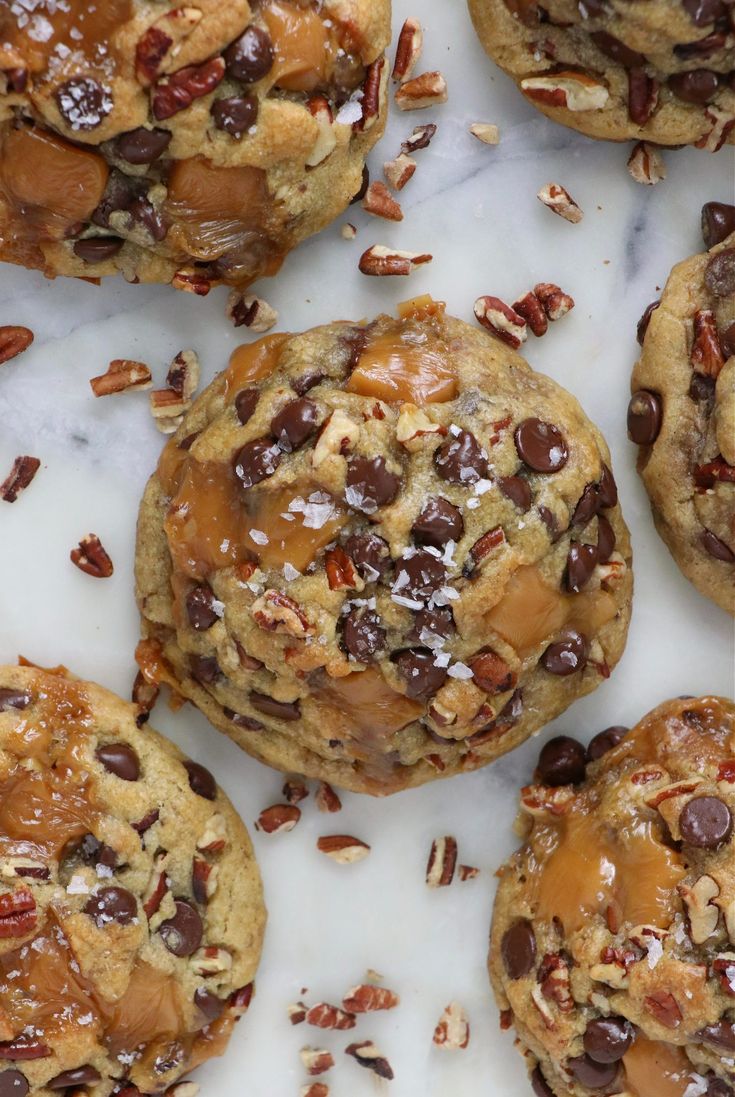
(474, 208)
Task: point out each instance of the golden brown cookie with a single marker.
(131, 910)
(382, 553)
(660, 71)
(191, 144)
(682, 412)
(612, 942)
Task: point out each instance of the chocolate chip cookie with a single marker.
(131, 912)
(382, 553)
(190, 144)
(612, 941)
(661, 71)
(682, 412)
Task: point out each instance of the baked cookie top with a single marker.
(660, 71)
(613, 932)
(131, 911)
(382, 553)
(682, 412)
(189, 144)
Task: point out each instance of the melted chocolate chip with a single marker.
(642, 326)
(586, 508)
(201, 608)
(705, 47)
(182, 934)
(256, 461)
(549, 520)
(719, 274)
(717, 1087)
(704, 12)
(607, 489)
(697, 86)
(460, 459)
(645, 414)
(208, 1003)
(144, 213)
(83, 103)
(517, 490)
(235, 114)
(362, 634)
(613, 47)
(370, 555)
(246, 402)
(295, 423)
(281, 710)
(702, 389)
(721, 1034)
(120, 193)
(250, 57)
(717, 548)
(437, 622)
(604, 741)
(13, 1084)
(566, 655)
(14, 698)
(605, 539)
(142, 146)
(419, 574)
(204, 669)
(581, 562)
(79, 1076)
(364, 184)
(307, 381)
(539, 1085)
(518, 949)
(112, 904)
(96, 249)
(562, 761)
(705, 822)
(541, 445)
(718, 221)
(94, 852)
(439, 522)
(422, 677)
(201, 780)
(606, 1039)
(370, 484)
(247, 723)
(120, 760)
(591, 1074)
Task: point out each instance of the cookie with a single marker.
(682, 412)
(382, 553)
(185, 144)
(611, 949)
(663, 71)
(131, 911)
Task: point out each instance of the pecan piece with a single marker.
(704, 916)
(158, 885)
(442, 862)
(91, 557)
(245, 310)
(573, 90)
(294, 790)
(343, 848)
(482, 548)
(278, 818)
(532, 311)
(122, 374)
(706, 355)
(408, 50)
(341, 571)
(367, 998)
(145, 694)
(316, 1060)
(399, 171)
(20, 477)
(276, 612)
(326, 799)
(427, 90)
(13, 341)
(177, 92)
(554, 301)
(486, 132)
(367, 1055)
(419, 139)
(501, 320)
(559, 201)
(379, 202)
(324, 1015)
(371, 96)
(646, 164)
(156, 42)
(452, 1032)
(381, 261)
(664, 1007)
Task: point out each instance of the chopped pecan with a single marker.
(553, 977)
(371, 95)
(427, 90)
(316, 1060)
(379, 202)
(646, 164)
(408, 50)
(501, 320)
(18, 915)
(452, 1032)
(203, 880)
(24, 1048)
(324, 1015)
(343, 848)
(91, 557)
(706, 355)
(442, 862)
(326, 139)
(122, 374)
(721, 125)
(704, 916)
(145, 695)
(158, 884)
(326, 799)
(486, 132)
(706, 476)
(245, 310)
(399, 171)
(483, 546)
(276, 612)
(554, 301)
(467, 872)
(336, 437)
(294, 790)
(239, 1001)
(315, 1089)
(296, 1013)
(540, 800)
(20, 477)
(367, 1055)
(664, 1007)
(341, 571)
(381, 261)
(278, 818)
(213, 838)
(183, 375)
(413, 423)
(491, 673)
(532, 311)
(156, 42)
(13, 341)
(419, 139)
(572, 90)
(191, 281)
(178, 91)
(559, 201)
(367, 998)
(724, 968)
(211, 960)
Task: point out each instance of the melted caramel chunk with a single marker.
(150, 1008)
(303, 53)
(407, 365)
(252, 362)
(654, 1067)
(41, 812)
(316, 520)
(57, 30)
(420, 308)
(699, 731)
(530, 612)
(369, 709)
(216, 210)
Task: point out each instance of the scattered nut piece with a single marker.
(408, 50)
(468, 872)
(722, 123)
(442, 862)
(379, 202)
(183, 375)
(13, 341)
(21, 475)
(245, 310)
(191, 281)
(343, 848)
(532, 311)
(91, 557)
(399, 171)
(555, 302)
(122, 374)
(278, 818)
(348, 231)
(452, 1032)
(486, 132)
(295, 790)
(380, 261)
(367, 1055)
(296, 1013)
(366, 998)
(646, 164)
(276, 612)
(560, 201)
(316, 1060)
(327, 799)
(419, 139)
(414, 423)
(324, 1015)
(427, 90)
(501, 321)
(315, 1089)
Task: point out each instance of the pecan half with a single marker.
(13, 341)
(20, 477)
(408, 50)
(501, 320)
(179, 90)
(381, 261)
(278, 818)
(91, 557)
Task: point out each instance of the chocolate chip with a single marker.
(120, 760)
(719, 275)
(208, 1003)
(370, 484)
(144, 213)
(517, 490)
(79, 1076)
(461, 460)
(204, 669)
(549, 520)
(362, 634)
(717, 1087)
(182, 934)
(437, 622)
(702, 389)
(14, 698)
(721, 1034)
(605, 539)
(295, 423)
(607, 489)
(704, 47)
(256, 461)
(142, 146)
(246, 402)
(566, 655)
(518, 949)
(697, 86)
(83, 103)
(705, 822)
(147, 821)
(717, 548)
(562, 761)
(282, 710)
(642, 326)
(586, 508)
(539, 1085)
(235, 114)
(591, 1074)
(96, 249)
(112, 904)
(422, 677)
(370, 555)
(307, 381)
(617, 50)
(94, 852)
(704, 12)
(247, 723)
(419, 574)
(718, 221)
(250, 57)
(439, 522)
(201, 608)
(201, 780)
(606, 1039)
(604, 741)
(581, 562)
(541, 445)
(120, 193)
(644, 417)
(364, 184)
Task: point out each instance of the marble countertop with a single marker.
(473, 207)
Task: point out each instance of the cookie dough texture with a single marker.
(131, 911)
(659, 71)
(612, 938)
(382, 554)
(683, 414)
(188, 144)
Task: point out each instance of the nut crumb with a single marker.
(294, 790)
(468, 872)
(452, 1032)
(486, 132)
(367, 1055)
(348, 231)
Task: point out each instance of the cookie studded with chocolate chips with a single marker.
(613, 936)
(131, 909)
(682, 411)
(382, 554)
(660, 72)
(189, 144)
